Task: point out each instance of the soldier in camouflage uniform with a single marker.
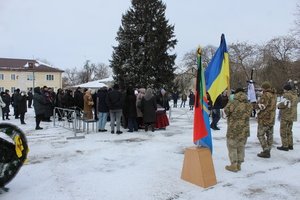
(266, 107)
(295, 104)
(286, 120)
(238, 112)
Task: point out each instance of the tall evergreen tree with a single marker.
(143, 56)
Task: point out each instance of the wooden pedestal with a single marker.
(198, 167)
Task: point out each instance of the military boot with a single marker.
(233, 167)
(264, 154)
(282, 148)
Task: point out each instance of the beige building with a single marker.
(26, 74)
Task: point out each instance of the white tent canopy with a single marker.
(92, 85)
(96, 84)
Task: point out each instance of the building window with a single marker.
(12, 89)
(30, 77)
(49, 77)
(1, 89)
(1, 76)
(12, 77)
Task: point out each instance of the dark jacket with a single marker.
(114, 100)
(22, 104)
(78, 99)
(39, 102)
(149, 108)
(130, 104)
(102, 106)
(7, 100)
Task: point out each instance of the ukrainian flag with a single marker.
(217, 72)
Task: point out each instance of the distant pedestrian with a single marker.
(191, 100)
(183, 100)
(29, 97)
(39, 103)
(22, 106)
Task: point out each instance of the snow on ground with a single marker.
(147, 166)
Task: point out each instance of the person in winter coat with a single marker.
(22, 106)
(29, 98)
(78, 98)
(191, 100)
(2, 105)
(102, 109)
(141, 94)
(149, 107)
(238, 113)
(286, 119)
(266, 107)
(114, 101)
(39, 103)
(68, 102)
(7, 100)
(183, 100)
(216, 113)
(130, 109)
(88, 104)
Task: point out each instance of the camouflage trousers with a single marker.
(265, 136)
(236, 149)
(286, 133)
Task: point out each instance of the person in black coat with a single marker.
(130, 110)
(191, 100)
(39, 103)
(148, 108)
(114, 101)
(7, 100)
(29, 98)
(216, 113)
(102, 109)
(22, 106)
(78, 98)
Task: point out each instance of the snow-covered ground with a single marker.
(147, 166)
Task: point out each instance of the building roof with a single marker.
(11, 64)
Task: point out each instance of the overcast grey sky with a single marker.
(69, 32)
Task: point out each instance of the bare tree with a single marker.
(101, 71)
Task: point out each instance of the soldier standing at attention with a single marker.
(238, 114)
(266, 119)
(286, 119)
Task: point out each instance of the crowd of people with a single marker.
(140, 108)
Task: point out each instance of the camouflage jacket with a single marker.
(286, 105)
(238, 113)
(267, 108)
(294, 105)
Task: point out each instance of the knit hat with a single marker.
(287, 87)
(266, 85)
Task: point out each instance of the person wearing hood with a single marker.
(22, 106)
(148, 108)
(238, 113)
(39, 103)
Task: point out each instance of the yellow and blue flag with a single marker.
(217, 72)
